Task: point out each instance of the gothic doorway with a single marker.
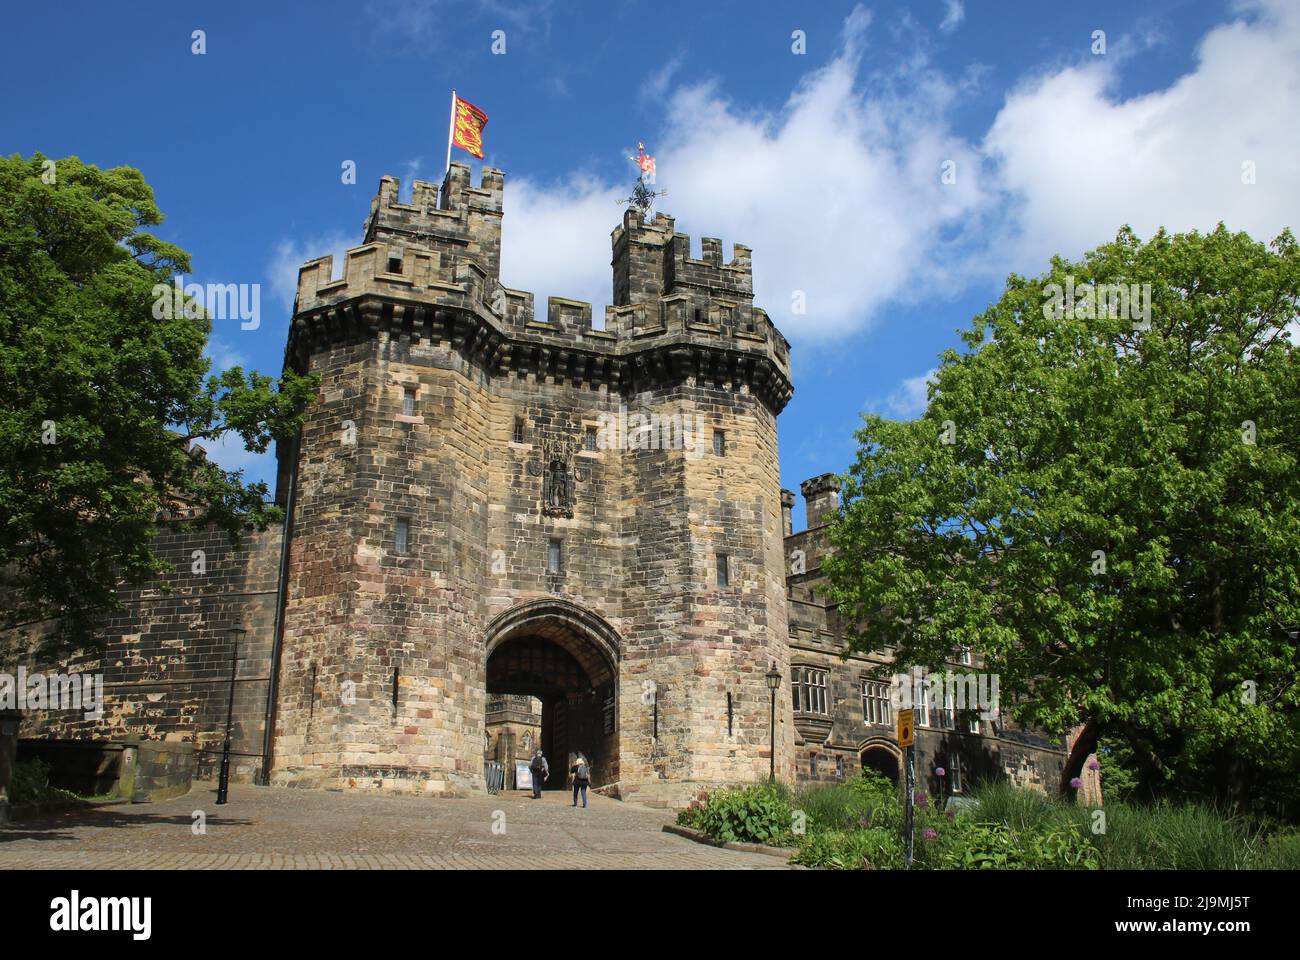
(566, 658)
(882, 761)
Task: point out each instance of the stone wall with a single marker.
(502, 401)
(167, 659)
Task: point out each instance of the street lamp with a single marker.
(237, 634)
(773, 684)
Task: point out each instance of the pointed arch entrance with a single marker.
(882, 756)
(567, 657)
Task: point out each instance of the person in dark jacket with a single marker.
(540, 770)
(580, 774)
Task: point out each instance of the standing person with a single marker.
(540, 771)
(580, 773)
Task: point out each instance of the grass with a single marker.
(31, 784)
(858, 825)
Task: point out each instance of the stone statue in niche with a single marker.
(557, 477)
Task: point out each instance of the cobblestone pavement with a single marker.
(272, 827)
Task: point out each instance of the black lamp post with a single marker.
(773, 684)
(237, 634)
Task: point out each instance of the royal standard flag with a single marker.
(467, 127)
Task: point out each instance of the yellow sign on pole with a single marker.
(905, 729)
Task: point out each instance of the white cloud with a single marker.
(839, 191)
(1076, 162)
(223, 356)
(229, 453)
(555, 240)
(290, 254)
(909, 399)
(953, 15)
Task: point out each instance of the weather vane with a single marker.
(642, 196)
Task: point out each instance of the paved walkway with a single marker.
(276, 827)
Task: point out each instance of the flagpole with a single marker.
(451, 128)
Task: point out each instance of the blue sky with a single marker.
(827, 162)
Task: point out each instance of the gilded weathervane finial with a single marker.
(642, 196)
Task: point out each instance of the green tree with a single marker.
(1110, 515)
(102, 401)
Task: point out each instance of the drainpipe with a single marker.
(268, 735)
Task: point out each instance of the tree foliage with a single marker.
(1110, 515)
(102, 402)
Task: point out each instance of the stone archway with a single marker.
(567, 658)
(882, 756)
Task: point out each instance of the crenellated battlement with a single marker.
(430, 269)
(458, 218)
(652, 260)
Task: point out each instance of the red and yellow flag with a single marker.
(467, 127)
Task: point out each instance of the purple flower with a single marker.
(950, 814)
(1076, 783)
(930, 834)
(1094, 765)
(939, 771)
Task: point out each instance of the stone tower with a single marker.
(489, 501)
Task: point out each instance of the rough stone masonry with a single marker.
(463, 526)
(462, 522)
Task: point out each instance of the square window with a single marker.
(553, 557)
(401, 536)
(719, 443)
(724, 572)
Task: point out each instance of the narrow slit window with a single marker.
(724, 571)
(719, 443)
(401, 536)
(589, 439)
(408, 401)
(519, 430)
(554, 557)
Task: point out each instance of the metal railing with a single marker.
(495, 775)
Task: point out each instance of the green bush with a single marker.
(870, 849)
(31, 784)
(859, 825)
(755, 814)
(861, 803)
